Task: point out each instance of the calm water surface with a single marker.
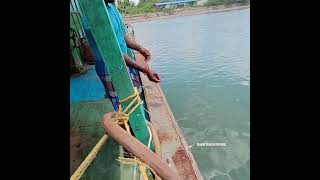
(204, 64)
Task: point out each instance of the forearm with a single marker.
(133, 64)
(152, 75)
(132, 44)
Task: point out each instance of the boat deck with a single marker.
(174, 149)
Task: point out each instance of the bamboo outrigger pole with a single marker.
(138, 149)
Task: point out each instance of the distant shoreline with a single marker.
(183, 12)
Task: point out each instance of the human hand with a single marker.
(146, 53)
(153, 76)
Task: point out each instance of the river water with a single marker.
(204, 65)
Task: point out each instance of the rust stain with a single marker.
(75, 143)
(154, 104)
(169, 133)
(183, 165)
(78, 143)
(163, 136)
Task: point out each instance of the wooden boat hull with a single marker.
(174, 148)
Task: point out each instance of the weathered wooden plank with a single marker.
(174, 148)
(95, 11)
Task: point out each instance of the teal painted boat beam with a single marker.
(103, 33)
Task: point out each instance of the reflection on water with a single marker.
(204, 63)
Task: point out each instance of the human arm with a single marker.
(134, 45)
(151, 74)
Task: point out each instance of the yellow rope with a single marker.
(136, 98)
(121, 118)
(135, 161)
(84, 165)
(143, 171)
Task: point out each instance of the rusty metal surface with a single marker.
(174, 149)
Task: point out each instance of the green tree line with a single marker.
(147, 6)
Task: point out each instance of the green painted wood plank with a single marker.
(76, 55)
(109, 48)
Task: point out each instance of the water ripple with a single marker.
(204, 63)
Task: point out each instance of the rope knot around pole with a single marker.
(121, 118)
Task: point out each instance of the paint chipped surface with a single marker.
(182, 163)
(174, 148)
